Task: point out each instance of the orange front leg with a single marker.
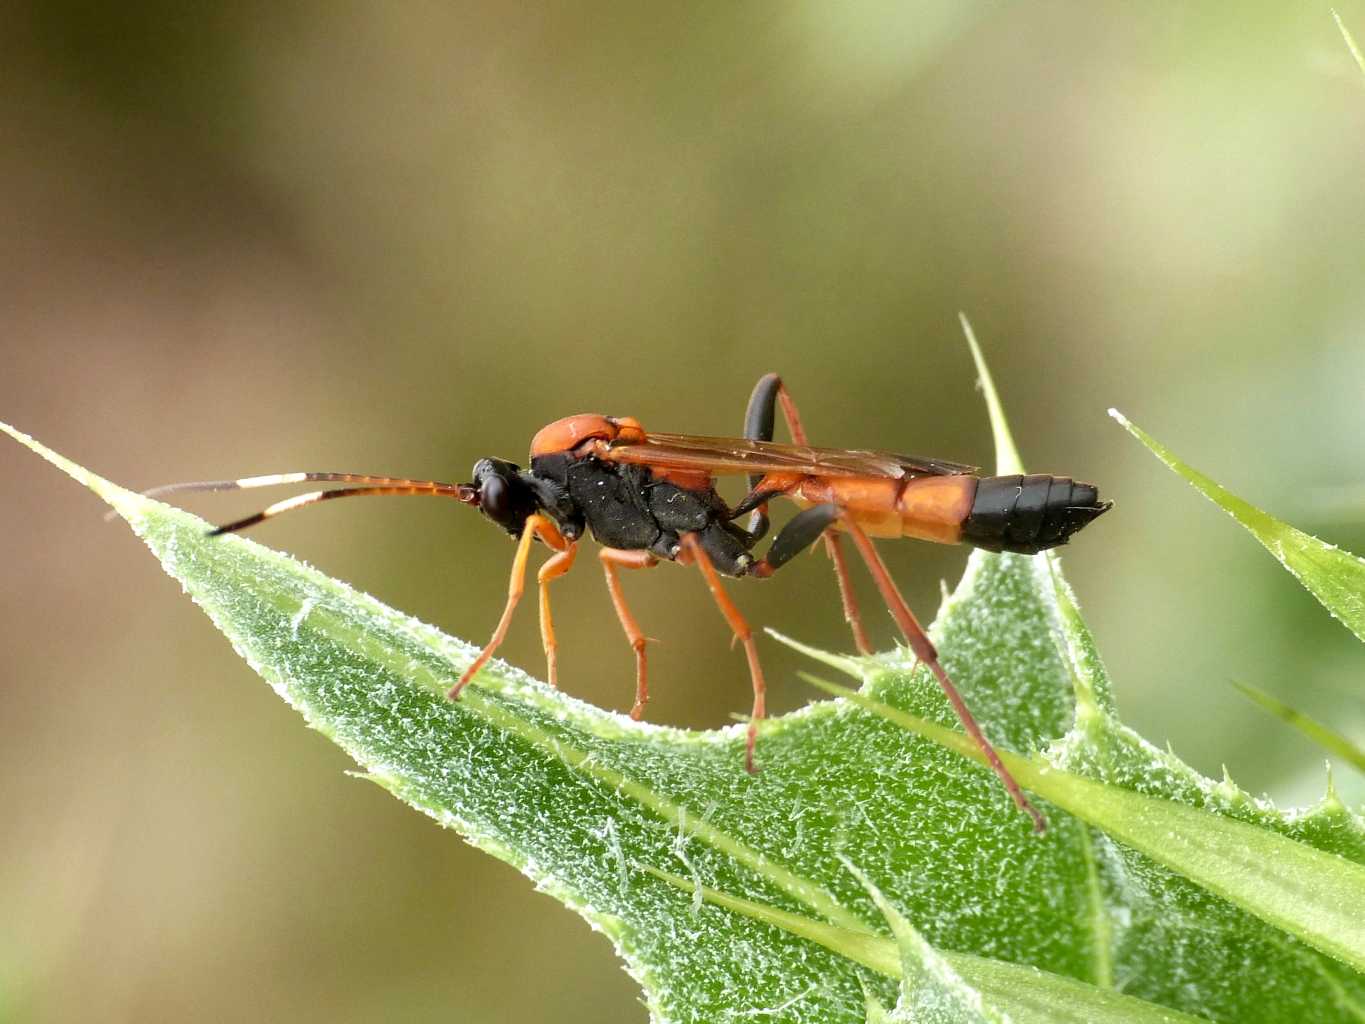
(611, 558)
(557, 566)
(694, 552)
(536, 525)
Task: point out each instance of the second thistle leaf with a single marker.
(1335, 577)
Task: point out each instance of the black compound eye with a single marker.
(494, 498)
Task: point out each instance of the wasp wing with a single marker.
(727, 455)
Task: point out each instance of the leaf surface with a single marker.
(587, 803)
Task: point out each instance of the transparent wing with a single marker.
(723, 455)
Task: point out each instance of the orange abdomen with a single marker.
(927, 507)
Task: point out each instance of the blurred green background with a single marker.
(395, 237)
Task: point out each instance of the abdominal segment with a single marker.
(928, 508)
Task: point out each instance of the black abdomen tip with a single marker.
(1028, 514)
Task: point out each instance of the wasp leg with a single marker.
(759, 420)
(846, 598)
(611, 559)
(695, 552)
(799, 534)
(769, 486)
(557, 566)
(536, 525)
(924, 650)
(768, 391)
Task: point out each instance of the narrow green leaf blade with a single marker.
(1356, 55)
(1328, 739)
(932, 991)
(1334, 577)
(1007, 459)
(1031, 996)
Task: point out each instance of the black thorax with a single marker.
(629, 507)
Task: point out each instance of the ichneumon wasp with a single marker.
(648, 497)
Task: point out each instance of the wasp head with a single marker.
(501, 492)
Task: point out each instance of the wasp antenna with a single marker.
(226, 485)
(460, 492)
(217, 485)
(279, 479)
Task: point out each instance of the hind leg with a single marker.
(759, 422)
(799, 534)
(925, 651)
